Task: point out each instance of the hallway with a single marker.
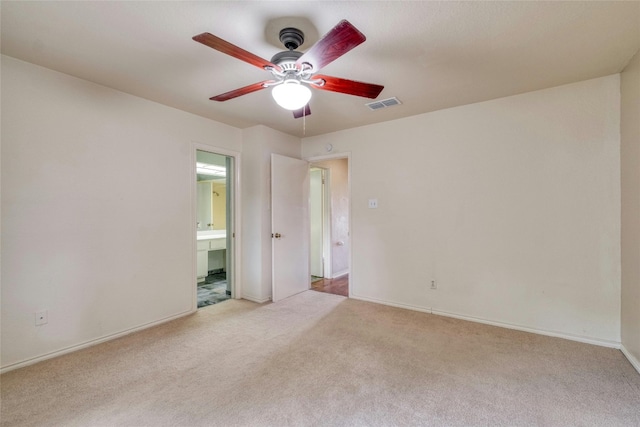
(337, 286)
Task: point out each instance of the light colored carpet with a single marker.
(321, 359)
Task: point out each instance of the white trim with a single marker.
(326, 223)
(578, 338)
(91, 343)
(632, 359)
(343, 155)
(340, 274)
(236, 197)
(256, 299)
(390, 303)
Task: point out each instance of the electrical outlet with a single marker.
(434, 285)
(42, 317)
(373, 203)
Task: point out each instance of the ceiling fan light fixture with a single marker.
(291, 95)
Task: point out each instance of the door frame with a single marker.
(236, 270)
(333, 156)
(326, 219)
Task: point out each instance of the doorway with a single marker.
(329, 210)
(214, 228)
(319, 224)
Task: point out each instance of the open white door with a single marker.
(290, 226)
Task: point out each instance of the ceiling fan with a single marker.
(294, 72)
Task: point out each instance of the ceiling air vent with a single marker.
(378, 105)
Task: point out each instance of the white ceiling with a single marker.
(431, 55)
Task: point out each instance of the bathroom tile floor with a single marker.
(213, 290)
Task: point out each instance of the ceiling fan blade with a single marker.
(350, 87)
(304, 111)
(241, 91)
(340, 40)
(224, 46)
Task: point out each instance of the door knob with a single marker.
(277, 235)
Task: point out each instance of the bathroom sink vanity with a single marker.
(211, 240)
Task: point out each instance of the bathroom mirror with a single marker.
(211, 191)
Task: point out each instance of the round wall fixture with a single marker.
(328, 147)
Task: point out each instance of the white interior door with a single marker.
(289, 226)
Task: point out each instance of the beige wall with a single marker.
(630, 177)
(339, 180)
(97, 217)
(511, 205)
(219, 205)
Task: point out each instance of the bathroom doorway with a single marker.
(214, 228)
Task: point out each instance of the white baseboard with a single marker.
(91, 343)
(391, 303)
(632, 359)
(340, 274)
(255, 299)
(578, 338)
(564, 335)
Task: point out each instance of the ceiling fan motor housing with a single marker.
(291, 38)
(286, 59)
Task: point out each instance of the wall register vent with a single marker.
(378, 105)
